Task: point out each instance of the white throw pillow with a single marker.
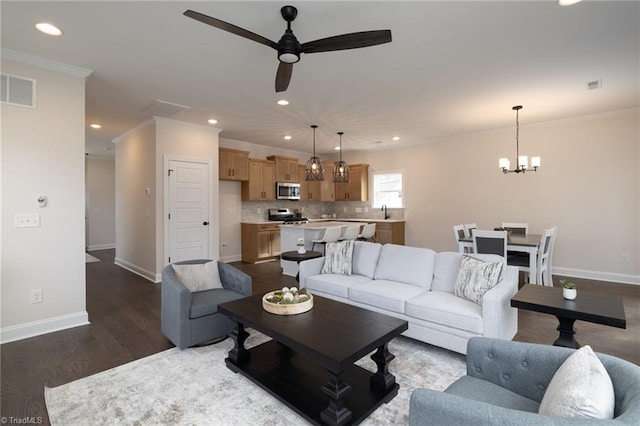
(475, 278)
(338, 258)
(199, 277)
(581, 388)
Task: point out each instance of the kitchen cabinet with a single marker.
(286, 168)
(357, 189)
(260, 242)
(323, 190)
(389, 233)
(261, 185)
(233, 164)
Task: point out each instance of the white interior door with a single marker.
(188, 210)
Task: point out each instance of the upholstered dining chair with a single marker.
(458, 232)
(543, 261)
(330, 234)
(520, 228)
(469, 228)
(490, 242)
(368, 232)
(349, 232)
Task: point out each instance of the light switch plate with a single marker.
(27, 220)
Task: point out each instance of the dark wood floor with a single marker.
(124, 311)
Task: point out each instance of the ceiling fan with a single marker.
(289, 48)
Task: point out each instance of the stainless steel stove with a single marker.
(288, 216)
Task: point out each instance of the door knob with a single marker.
(205, 223)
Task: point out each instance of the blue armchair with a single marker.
(189, 319)
(505, 383)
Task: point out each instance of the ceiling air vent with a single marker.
(595, 84)
(165, 109)
(18, 91)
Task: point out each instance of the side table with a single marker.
(297, 257)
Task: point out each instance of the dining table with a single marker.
(526, 243)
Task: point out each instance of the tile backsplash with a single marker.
(257, 211)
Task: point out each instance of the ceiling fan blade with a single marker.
(230, 28)
(283, 76)
(347, 41)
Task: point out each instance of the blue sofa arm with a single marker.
(175, 307)
(234, 279)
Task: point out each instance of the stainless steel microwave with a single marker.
(287, 191)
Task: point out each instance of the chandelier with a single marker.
(521, 160)
(341, 170)
(315, 169)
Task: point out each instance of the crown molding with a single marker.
(128, 133)
(43, 63)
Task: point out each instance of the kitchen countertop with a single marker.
(339, 219)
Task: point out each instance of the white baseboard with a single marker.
(231, 258)
(597, 275)
(49, 325)
(144, 273)
(101, 247)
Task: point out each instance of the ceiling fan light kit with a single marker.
(341, 169)
(522, 161)
(314, 170)
(289, 48)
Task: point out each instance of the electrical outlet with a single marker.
(358, 210)
(36, 296)
(224, 246)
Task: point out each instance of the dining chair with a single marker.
(490, 242)
(458, 231)
(543, 260)
(521, 228)
(368, 232)
(468, 228)
(329, 235)
(349, 232)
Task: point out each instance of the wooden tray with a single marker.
(286, 309)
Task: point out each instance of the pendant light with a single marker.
(315, 169)
(522, 161)
(341, 170)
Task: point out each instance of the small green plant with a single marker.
(567, 284)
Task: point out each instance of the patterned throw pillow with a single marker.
(581, 388)
(199, 277)
(338, 258)
(475, 278)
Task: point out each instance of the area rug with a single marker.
(194, 387)
(90, 259)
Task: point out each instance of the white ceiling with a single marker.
(452, 67)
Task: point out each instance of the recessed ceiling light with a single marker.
(337, 148)
(283, 102)
(49, 29)
(568, 2)
(95, 125)
(287, 137)
(212, 121)
(396, 138)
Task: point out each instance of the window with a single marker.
(387, 189)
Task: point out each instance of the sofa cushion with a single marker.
(447, 264)
(338, 285)
(365, 258)
(580, 388)
(206, 302)
(198, 276)
(484, 391)
(409, 265)
(442, 307)
(337, 258)
(383, 294)
(475, 278)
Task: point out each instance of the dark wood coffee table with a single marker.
(309, 364)
(591, 307)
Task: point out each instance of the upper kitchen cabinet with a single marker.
(323, 190)
(261, 185)
(233, 164)
(286, 168)
(358, 187)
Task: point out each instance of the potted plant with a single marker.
(301, 249)
(569, 291)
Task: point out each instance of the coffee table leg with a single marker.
(239, 353)
(336, 413)
(567, 332)
(382, 380)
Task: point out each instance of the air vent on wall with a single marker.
(18, 91)
(165, 109)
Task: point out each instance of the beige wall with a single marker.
(588, 186)
(43, 154)
(101, 202)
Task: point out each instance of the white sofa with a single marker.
(417, 285)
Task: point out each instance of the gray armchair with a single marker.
(505, 383)
(189, 319)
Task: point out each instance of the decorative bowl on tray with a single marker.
(287, 301)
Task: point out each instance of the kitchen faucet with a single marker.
(384, 208)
